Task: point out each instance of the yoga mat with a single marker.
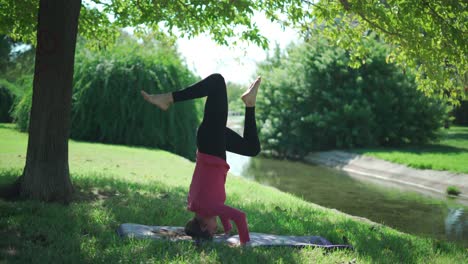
(176, 233)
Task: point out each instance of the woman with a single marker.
(207, 194)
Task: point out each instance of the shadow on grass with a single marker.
(7, 125)
(371, 241)
(456, 136)
(85, 231)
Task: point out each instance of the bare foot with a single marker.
(163, 101)
(250, 96)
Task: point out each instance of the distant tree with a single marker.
(312, 100)
(234, 92)
(5, 50)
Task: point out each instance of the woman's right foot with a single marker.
(250, 96)
(163, 101)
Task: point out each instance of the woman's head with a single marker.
(201, 227)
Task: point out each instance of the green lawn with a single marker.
(118, 184)
(450, 153)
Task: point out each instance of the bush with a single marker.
(311, 100)
(234, 92)
(21, 111)
(453, 190)
(7, 99)
(461, 114)
(107, 105)
(22, 89)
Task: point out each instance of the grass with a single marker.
(453, 190)
(118, 184)
(450, 153)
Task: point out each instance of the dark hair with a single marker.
(193, 229)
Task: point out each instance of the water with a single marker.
(395, 206)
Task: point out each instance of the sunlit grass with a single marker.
(450, 153)
(118, 184)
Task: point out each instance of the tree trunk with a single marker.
(46, 174)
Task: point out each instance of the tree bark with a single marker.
(46, 174)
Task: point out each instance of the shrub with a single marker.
(7, 99)
(234, 92)
(107, 105)
(22, 105)
(22, 110)
(311, 100)
(461, 113)
(453, 190)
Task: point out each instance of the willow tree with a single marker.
(52, 26)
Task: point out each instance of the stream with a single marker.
(396, 206)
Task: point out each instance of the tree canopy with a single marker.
(427, 36)
(101, 20)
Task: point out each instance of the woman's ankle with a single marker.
(170, 97)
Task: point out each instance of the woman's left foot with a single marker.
(163, 101)
(250, 96)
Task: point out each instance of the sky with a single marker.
(238, 63)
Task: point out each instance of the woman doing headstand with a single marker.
(207, 193)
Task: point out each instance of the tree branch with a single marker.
(347, 7)
(313, 4)
(443, 20)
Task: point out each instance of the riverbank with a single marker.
(450, 153)
(398, 206)
(429, 168)
(117, 184)
(374, 168)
